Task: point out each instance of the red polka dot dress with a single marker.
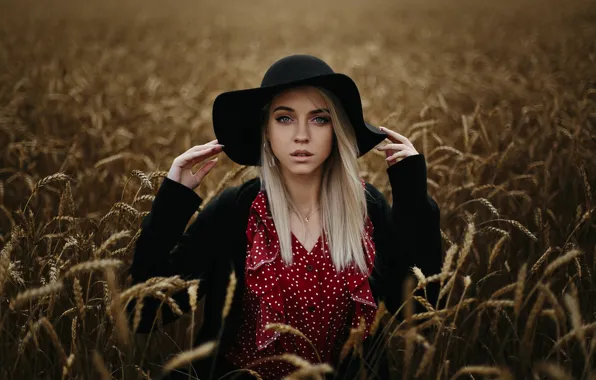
(308, 295)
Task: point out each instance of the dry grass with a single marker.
(96, 100)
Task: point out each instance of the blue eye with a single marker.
(322, 120)
(282, 119)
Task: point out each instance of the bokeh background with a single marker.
(98, 97)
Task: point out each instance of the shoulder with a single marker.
(239, 196)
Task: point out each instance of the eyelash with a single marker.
(325, 119)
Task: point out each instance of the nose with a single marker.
(302, 133)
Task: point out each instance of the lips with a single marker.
(301, 153)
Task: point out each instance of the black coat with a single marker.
(405, 235)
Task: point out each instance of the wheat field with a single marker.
(97, 98)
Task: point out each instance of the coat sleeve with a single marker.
(407, 234)
(165, 249)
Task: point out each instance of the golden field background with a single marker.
(97, 99)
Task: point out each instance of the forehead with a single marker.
(299, 95)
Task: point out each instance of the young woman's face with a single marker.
(300, 130)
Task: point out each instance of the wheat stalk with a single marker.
(117, 314)
(293, 359)
(73, 332)
(287, 329)
(519, 289)
(90, 266)
(419, 275)
(356, 336)
(587, 188)
(54, 338)
(100, 366)
(516, 224)
(573, 333)
(478, 370)
(468, 239)
(200, 352)
(504, 290)
(314, 371)
(553, 370)
(168, 301)
(576, 319)
(529, 328)
(57, 177)
(561, 261)
(497, 303)
(138, 313)
(447, 262)
(229, 295)
(433, 278)
(425, 362)
(559, 312)
(145, 181)
(192, 299)
(66, 204)
(381, 311)
(146, 197)
(496, 230)
(541, 260)
(36, 293)
(496, 250)
(424, 302)
(111, 240)
(66, 368)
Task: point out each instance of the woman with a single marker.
(311, 244)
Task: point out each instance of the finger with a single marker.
(205, 169)
(399, 137)
(192, 158)
(403, 153)
(393, 147)
(204, 146)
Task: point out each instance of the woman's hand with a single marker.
(399, 148)
(182, 165)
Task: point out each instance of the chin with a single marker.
(302, 169)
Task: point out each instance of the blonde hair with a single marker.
(342, 196)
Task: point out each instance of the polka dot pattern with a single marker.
(309, 295)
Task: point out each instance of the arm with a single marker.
(165, 249)
(408, 233)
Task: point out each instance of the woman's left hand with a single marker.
(399, 148)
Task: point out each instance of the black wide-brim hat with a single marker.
(237, 115)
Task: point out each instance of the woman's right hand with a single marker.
(182, 165)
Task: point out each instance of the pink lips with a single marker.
(301, 153)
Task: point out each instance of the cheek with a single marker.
(276, 137)
(325, 138)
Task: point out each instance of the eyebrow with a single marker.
(284, 108)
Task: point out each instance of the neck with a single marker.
(304, 189)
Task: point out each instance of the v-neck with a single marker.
(302, 245)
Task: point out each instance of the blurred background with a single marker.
(500, 97)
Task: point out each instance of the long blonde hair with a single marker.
(342, 196)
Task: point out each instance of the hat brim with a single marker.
(237, 116)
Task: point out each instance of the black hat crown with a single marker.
(294, 68)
